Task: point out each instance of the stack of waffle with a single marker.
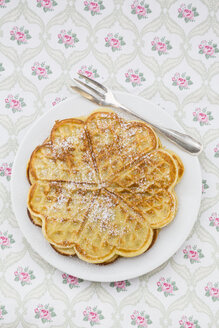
(102, 187)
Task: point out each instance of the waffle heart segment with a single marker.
(118, 141)
(65, 156)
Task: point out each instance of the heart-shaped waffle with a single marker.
(102, 187)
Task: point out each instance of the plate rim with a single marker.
(81, 275)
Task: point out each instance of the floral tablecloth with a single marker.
(165, 51)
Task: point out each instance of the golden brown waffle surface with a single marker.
(101, 187)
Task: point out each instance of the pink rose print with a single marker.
(193, 254)
(89, 74)
(21, 35)
(188, 322)
(93, 315)
(166, 286)
(161, 45)
(15, 103)
(115, 41)
(134, 77)
(140, 319)
(47, 5)
(216, 150)
(88, 71)
(187, 13)
(41, 70)
(94, 7)
(3, 2)
(141, 9)
(44, 312)
(6, 240)
(208, 48)
(212, 290)
(214, 221)
(204, 186)
(182, 81)
(5, 171)
(67, 38)
(3, 312)
(8, 171)
(72, 281)
(24, 276)
(120, 285)
(203, 116)
(58, 100)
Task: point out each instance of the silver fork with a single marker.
(106, 98)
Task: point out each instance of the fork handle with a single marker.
(189, 144)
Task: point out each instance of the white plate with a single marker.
(170, 238)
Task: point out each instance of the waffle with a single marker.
(102, 187)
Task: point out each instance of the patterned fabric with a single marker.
(165, 51)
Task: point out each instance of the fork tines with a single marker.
(97, 84)
(89, 87)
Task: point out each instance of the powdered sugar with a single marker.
(102, 212)
(64, 146)
(104, 215)
(61, 200)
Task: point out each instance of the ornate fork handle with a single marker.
(186, 142)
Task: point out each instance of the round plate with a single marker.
(170, 238)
